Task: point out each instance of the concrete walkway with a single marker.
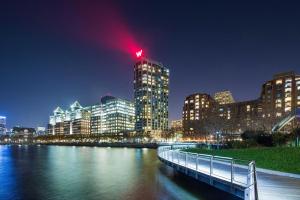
(270, 187)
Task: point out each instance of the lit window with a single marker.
(287, 99)
(248, 108)
(289, 80)
(278, 105)
(278, 82)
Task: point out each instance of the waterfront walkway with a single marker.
(270, 187)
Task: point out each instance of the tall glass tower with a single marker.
(151, 93)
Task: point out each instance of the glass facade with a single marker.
(117, 115)
(151, 93)
(2, 125)
(96, 111)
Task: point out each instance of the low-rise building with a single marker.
(40, 130)
(22, 131)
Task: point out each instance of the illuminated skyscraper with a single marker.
(2, 125)
(151, 92)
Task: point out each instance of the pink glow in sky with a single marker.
(104, 25)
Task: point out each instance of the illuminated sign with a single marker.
(139, 53)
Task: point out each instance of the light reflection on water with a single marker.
(57, 172)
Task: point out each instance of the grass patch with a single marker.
(284, 159)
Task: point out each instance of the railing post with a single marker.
(172, 153)
(197, 162)
(232, 171)
(255, 181)
(211, 165)
(251, 192)
(168, 155)
(211, 170)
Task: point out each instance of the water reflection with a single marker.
(56, 172)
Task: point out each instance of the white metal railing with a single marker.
(234, 171)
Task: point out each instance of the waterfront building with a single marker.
(75, 120)
(197, 110)
(2, 125)
(56, 122)
(151, 93)
(22, 131)
(224, 97)
(118, 115)
(279, 98)
(40, 130)
(112, 115)
(96, 116)
(239, 117)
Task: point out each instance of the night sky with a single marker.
(53, 53)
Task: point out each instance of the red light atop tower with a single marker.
(139, 53)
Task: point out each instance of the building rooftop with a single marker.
(284, 74)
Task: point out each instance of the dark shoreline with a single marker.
(88, 144)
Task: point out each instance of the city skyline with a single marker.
(53, 68)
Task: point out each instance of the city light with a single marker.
(139, 53)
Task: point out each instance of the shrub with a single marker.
(241, 144)
(279, 139)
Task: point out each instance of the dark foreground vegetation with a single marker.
(263, 139)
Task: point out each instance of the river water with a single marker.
(79, 173)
